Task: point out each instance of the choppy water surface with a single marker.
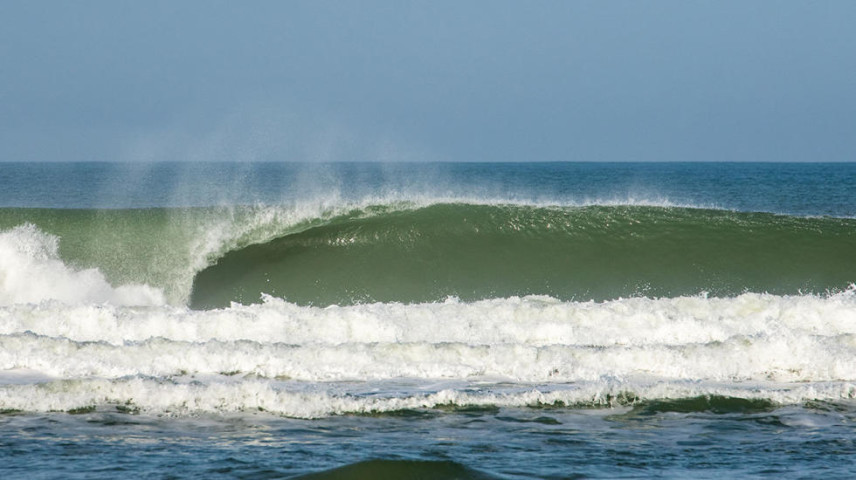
(711, 438)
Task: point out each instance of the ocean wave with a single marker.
(531, 321)
(308, 361)
(780, 358)
(194, 396)
(474, 251)
(415, 251)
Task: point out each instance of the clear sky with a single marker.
(432, 80)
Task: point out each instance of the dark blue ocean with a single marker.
(448, 320)
(792, 188)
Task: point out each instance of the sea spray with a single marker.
(31, 271)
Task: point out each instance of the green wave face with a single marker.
(473, 252)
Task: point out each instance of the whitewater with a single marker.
(514, 291)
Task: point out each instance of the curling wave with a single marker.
(473, 252)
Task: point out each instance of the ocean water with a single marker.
(509, 321)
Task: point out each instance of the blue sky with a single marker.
(428, 81)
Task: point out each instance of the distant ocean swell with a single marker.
(387, 307)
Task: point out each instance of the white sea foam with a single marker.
(309, 361)
(781, 358)
(191, 396)
(534, 321)
(32, 272)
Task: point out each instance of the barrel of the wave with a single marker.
(479, 251)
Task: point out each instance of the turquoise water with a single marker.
(475, 320)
